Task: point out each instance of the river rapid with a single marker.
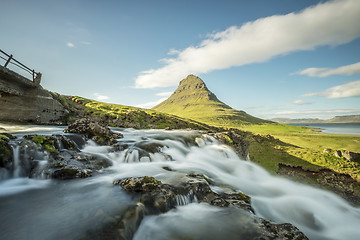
(40, 208)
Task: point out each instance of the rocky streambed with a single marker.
(94, 183)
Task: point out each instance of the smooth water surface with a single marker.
(338, 128)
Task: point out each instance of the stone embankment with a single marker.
(23, 100)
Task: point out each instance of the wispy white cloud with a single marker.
(164, 94)
(151, 104)
(326, 72)
(86, 43)
(351, 89)
(70, 44)
(100, 97)
(330, 23)
(173, 52)
(299, 102)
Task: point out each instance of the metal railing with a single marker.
(9, 59)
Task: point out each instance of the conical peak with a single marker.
(191, 82)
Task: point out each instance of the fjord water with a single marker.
(338, 128)
(51, 209)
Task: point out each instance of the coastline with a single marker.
(333, 128)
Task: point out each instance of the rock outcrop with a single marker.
(63, 161)
(93, 130)
(236, 139)
(6, 152)
(155, 197)
(340, 183)
(351, 156)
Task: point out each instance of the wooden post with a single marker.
(7, 62)
(37, 79)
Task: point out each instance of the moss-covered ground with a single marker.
(5, 150)
(302, 144)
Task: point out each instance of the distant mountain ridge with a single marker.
(192, 99)
(336, 119)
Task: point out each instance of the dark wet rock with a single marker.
(150, 146)
(120, 226)
(155, 197)
(215, 223)
(6, 153)
(64, 142)
(340, 183)
(71, 173)
(94, 131)
(72, 164)
(159, 197)
(284, 231)
(119, 147)
(26, 153)
(236, 139)
(77, 139)
(62, 158)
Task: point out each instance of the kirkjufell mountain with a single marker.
(193, 100)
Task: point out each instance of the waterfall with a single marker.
(28, 160)
(182, 200)
(16, 161)
(167, 156)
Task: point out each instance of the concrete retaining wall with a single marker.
(22, 100)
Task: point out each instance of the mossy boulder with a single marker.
(64, 161)
(48, 143)
(70, 173)
(143, 184)
(6, 153)
(93, 130)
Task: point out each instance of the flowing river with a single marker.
(40, 208)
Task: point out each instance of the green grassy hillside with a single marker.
(116, 115)
(193, 100)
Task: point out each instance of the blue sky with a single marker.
(276, 58)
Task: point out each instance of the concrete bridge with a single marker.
(24, 100)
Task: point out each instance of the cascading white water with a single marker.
(182, 200)
(16, 157)
(318, 213)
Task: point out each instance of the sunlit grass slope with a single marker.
(193, 100)
(125, 116)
